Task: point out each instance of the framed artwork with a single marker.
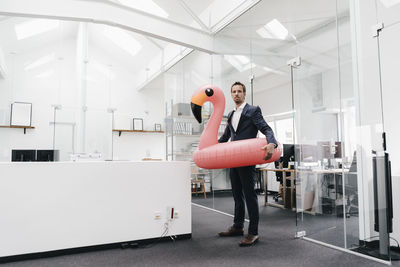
(157, 127)
(137, 124)
(21, 114)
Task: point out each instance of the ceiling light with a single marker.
(147, 6)
(41, 61)
(390, 3)
(122, 39)
(34, 27)
(273, 30)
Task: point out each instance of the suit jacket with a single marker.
(251, 121)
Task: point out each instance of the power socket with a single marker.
(157, 215)
(176, 214)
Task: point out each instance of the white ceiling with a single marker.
(9, 42)
(311, 21)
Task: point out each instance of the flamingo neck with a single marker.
(209, 136)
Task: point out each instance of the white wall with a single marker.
(104, 90)
(42, 92)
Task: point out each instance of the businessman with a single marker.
(244, 122)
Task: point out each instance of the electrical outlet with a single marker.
(176, 214)
(157, 215)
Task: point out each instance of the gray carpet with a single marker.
(277, 247)
(325, 228)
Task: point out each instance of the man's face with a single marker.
(237, 94)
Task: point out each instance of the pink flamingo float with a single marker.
(214, 155)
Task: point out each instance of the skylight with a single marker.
(147, 6)
(122, 39)
(242, 59)
(34, 27)
(41, 61)
(273, 30)
(241, 63)
(273, 71)
(45, 74)
(390, 3)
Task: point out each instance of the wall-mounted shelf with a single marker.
(186, 135)
(134, 131)
(18, 127)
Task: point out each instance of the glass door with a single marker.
(317, 104)
(342, 183)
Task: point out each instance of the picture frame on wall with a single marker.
(157, 127)
(21, 114)
(137, 124)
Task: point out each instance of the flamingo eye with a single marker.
(209, 92)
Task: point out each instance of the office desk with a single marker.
(284, 178)
(316, 175)
(314, 190)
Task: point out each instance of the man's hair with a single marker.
(239, 83)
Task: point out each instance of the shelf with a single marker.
(186, 135)
(134, 131)
(18, 127)
(183, 153)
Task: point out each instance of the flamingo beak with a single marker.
(197, 102)
(196, 110)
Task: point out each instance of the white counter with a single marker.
(61, 205)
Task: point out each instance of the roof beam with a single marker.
(194, 16)
(111, 14)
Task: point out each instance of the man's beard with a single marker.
(238, 101)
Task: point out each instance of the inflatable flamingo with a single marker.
(214, 155)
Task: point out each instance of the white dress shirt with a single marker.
(236, 115)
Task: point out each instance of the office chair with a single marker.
(197, 181)
(351, 189)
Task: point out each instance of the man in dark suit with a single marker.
(244, 122)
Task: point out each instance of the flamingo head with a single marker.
(204, 94)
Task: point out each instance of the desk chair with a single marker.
(279, 177)
(197, 179)
(352, 189)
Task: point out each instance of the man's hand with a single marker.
(269, 151)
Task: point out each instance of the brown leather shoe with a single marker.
(248, 240)
(232, 231)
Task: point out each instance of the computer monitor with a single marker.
(47, 155)
(308, 153)
(23, 155)
(324, 150)
(338, 150)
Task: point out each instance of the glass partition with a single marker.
(386, 217)
(342, 167)
(314, 70)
